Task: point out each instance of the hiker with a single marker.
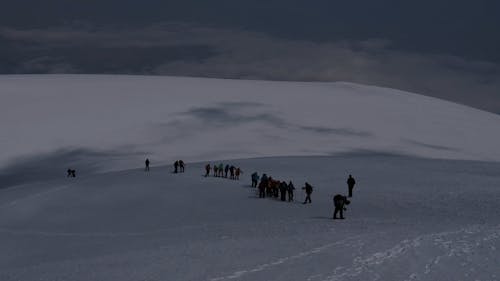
(226, 170)
(350, 184)
(69, 173)
(216, 170)
(309, 189)
(73, 173)
(262, 188)
(176, 166)
(147, 165)
(221, 170)
(340, 201)
(207, 170)
(181, 165)
(231, 171)
(255, 179)
(237, 173)
(283, 188)
(290, 190)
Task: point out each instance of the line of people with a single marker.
(273, 188)
(222, 171)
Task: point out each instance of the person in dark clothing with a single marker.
(283, 190)
(207, 170)
(176, 166)
(73, 173)
(237, 173)
(340, 201)
(181, 166)
(262, 188)
(69, 172)
(231, 171)
(350, 184)
(147, 165)
(255, 179)
(290, 189)
(309, 189)
(216, 170)
(226, 170)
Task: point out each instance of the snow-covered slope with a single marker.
(123, 119)
(422, 210)
(410, 219)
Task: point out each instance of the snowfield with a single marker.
(425, 206)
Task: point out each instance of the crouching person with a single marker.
(340, 201)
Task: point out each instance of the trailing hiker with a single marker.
(207, 170)
(176, 166)
(181, 165)
(339, 202)
(147, 165)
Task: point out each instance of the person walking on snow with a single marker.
(339, 202)
(226, 170)
(207, 170)
(216, 170)
(283, 189)
(147, 165)
(237, 173)
(350, 184)
(309, 189)
(181, 165)
(290, 189)
(176, 166)
(221, 170)
(255, 179)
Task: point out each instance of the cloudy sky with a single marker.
(446, 49)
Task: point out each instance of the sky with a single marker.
(445, 49)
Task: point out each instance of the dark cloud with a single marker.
(193, 50)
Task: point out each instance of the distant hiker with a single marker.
(176, 166)
(73, 173)
(263, 186)
(147, 164)
(216, 170)
(226, 170)
(181, 166)
(340, 201)
(231, 171)
(207, 170)
(290, 190)
(283, 189)
(69, 173)
(309, 189)
(237, 173)
(350, 184)
(255, 179)
(221, 170)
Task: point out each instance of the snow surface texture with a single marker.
(115, 121)
(411, 218)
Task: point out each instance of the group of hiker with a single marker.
(280, 189)
(273, 188)
(71, 173)
(179, 166)
(267, 187)
(222, 171)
